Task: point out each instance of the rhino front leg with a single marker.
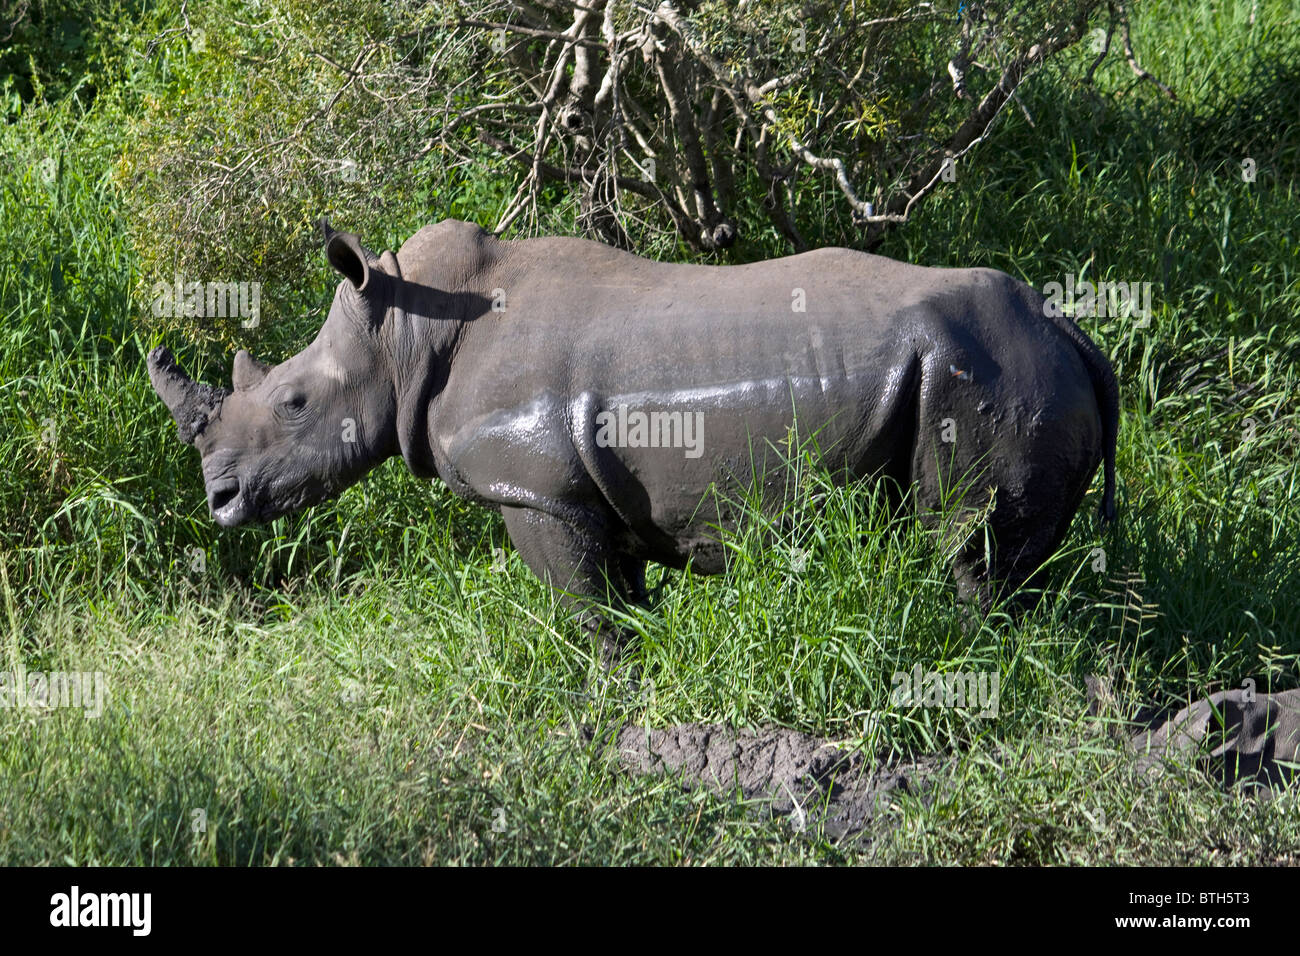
(579, 562)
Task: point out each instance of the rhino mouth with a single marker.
(231, 504)
(227, 503)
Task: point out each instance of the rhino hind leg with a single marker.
(579, 562)
(1023, 534)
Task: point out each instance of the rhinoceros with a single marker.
(613, 408)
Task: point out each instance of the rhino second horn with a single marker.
(192, 405)
(249, 372)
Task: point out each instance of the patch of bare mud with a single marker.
(819, 787)
(1234, 737)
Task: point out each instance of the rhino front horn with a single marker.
(192, 405)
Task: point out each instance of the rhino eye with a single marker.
(291, 404)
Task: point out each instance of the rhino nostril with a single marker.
(224, 495)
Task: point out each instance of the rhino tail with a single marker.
(1106, 388)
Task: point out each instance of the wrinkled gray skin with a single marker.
(502, 404)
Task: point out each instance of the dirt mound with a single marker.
(1233, 736)
(820, 788)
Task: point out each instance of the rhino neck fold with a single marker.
(425, 326)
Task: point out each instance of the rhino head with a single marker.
(292, 435)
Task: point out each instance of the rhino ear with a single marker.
(249, 372)
(347, 256)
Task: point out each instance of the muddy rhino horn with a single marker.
(192, 405)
